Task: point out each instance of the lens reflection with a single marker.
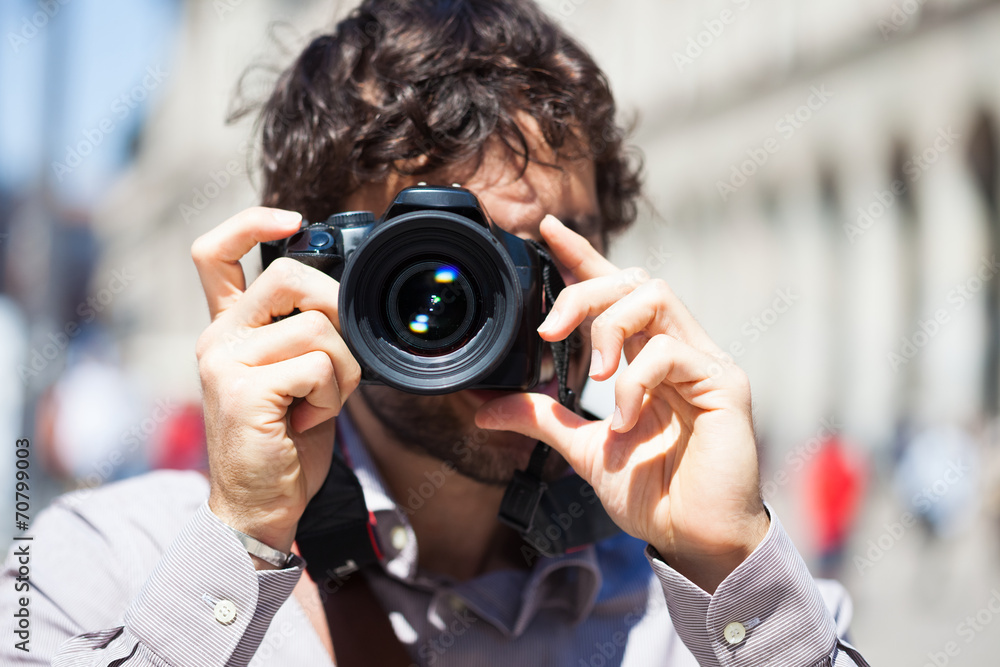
(434, 302)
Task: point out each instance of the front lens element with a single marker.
(431, 306)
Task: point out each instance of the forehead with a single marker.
(518, 199)
(516, 196)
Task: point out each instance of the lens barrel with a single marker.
(430, 302)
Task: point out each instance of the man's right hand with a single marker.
(271, 389)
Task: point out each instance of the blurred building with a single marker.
(822, 194)
(821, 178)
(825, 178)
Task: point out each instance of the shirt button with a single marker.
(398, 538)
(225, 612)
(456, 603)
(735, 632)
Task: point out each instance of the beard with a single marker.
(443, 427)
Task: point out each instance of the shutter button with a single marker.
(320, 239)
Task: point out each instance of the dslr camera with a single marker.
(434, 297)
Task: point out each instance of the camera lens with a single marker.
(431, 306)
(430, 303)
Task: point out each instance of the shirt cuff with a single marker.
(204, 603)
(768, 611)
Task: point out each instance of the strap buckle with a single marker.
(520, 501)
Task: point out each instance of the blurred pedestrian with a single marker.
(835, 483)
(937, 478)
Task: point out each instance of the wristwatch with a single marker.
(261, 550)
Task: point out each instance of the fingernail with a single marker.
(553, 218)
(550, 321)
(596, 363)
(617, 420)
(286, 217)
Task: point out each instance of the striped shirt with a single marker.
(142, 573)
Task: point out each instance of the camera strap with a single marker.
(566, 514)
(336, 536)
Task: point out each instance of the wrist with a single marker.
(709, 567)
(278, 536)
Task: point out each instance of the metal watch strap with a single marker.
(261, 550)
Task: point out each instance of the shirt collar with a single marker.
(508, 599)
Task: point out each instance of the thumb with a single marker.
(535, 415)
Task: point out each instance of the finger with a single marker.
(284, 286)
(652, 308)
(662, 359)
(574, 251)
(537, 416)
(309, 331)
(587, 299)
(309, 376)
(217, 253)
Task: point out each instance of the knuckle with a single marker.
(283, 269)
(567, 300)
(741, 381)
(661, 344)
(327, 373)
(203, 344)
(600, 326)
(352, 378)
(634, 276)
(627, 379)
(202, 250)
(208, 345)
(661, 288)
(313, 323)
(209, 368)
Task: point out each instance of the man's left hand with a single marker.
(676, 465)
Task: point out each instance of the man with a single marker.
(494, 96)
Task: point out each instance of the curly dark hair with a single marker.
(413, 86)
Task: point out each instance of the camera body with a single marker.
(434, 296)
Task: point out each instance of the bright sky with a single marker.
(106, 48)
